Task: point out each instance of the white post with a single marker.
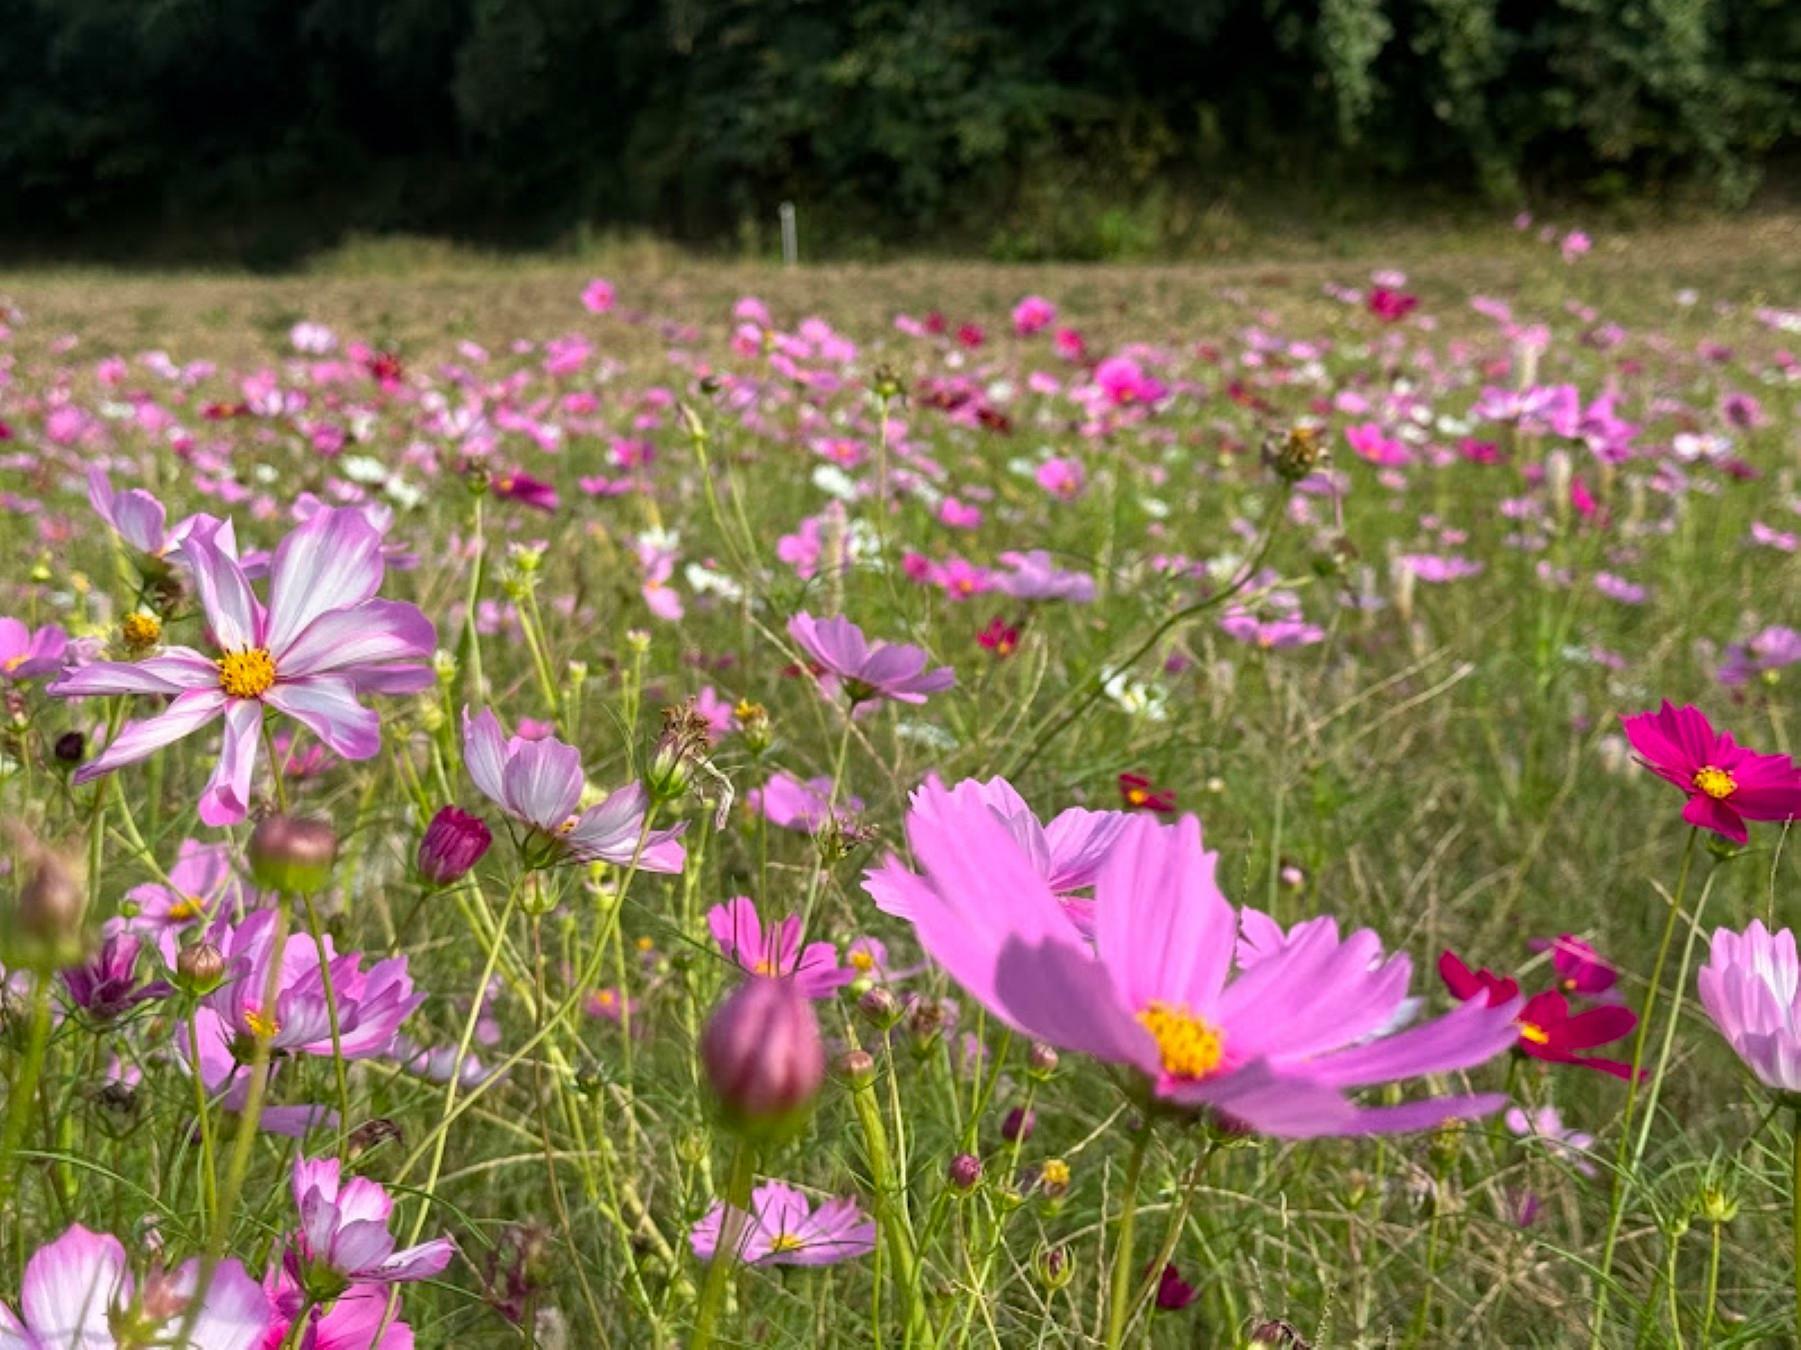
(790, 236)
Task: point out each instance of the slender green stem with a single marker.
(1154, 1274)
(1616, 1209)
(1120, 1300)
(890, 1213)
(1796, 1222)
(831, 808)
(731, 1237)
(209, 1165)
(475, 685)
(25, 1085)
(1674, 1289)
(1713, 1285)
(331, 1017)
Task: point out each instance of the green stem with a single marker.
(25, 1086)
(731, 1237)
(1120, 1300)
(1796, 1222)
(337, 1042)
(890, 1217)
(1713, 1285)
(1616, 1210)
(1675, 1291)
(475, 685)
(209, 1174)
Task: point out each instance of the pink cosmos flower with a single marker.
(540, 783)
(1070, 344)
(1574, 245)
(783, 1229)
(107, 983)
(75, 1286)
(1367, 440)
(1439, 568)
(1061, 478)
(343, 1237)
(26, 654)
(1067, 854)
(1033, 314)
(1546, 1126)
(793, 805)
(1271, 634)
(1771, 650)
(202, 886)
(321, 640)
(371, 1004)
(1124, 381)
(1580, 969)
(1274, 1049)
(739, 933)
(210, 1050)
(1751, 988)
(519, 486)
(1033, 576)
(1726, 783)
(350, 1323)
(142, 521)
(598, 296)
(892, 670)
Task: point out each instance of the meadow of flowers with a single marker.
(661, 816)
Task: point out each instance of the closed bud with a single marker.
(453, 843)
(964, 1173)
(1019, 1124)
(887, 382)
(44, 932)
(200, 968)
(1716, 1203)
(1041, 1061)
(69, 747)
(292, 854)
(879, 1008)
(764, 1058)
(444, 666)
(1053, 1267)
(857, 1067)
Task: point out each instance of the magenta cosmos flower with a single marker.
(784, 1230)
(540, 783)
(1726, 784)
(741, 936)
(320, 640)
(343, 1237)
(1067, 854)
(1751, 988)
(893, 670)
(79, 1294)
(1274, 1049)
(202, 886)
(371, 1004)
(27, 654)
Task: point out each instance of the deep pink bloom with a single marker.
(321, 640)
(1274, 1049)
(27, 654)
(793, 805)
(349, 1324)
(1580, 968)
(453, 843)
(541, 783)
(371, 1004)
(1751, 988)
(1173, 1292)
(1124, 381)
(519, 486)
(893, 670)
(1141, 794)
(343, 1236)
(1032, 314)
(598, 296)
(1390, 305)
(1726, 783)
(1547, 1028)
(76, 1285)
(1369, 442)
(783, 1229)
(107, 984)
(740, 935)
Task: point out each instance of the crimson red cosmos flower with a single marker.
(1580, 968)
(1173, 1292)
(1391, 305)
(528, 491)
(999, 637)
(1726, 783)
(1548, 1029)
(1141, 795)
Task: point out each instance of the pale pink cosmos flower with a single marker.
(1761, 656)
(1275, 1049)
(75, 1286)
(142, 521)
(1033, 576)
(202, 886)
(1751, 988)
(321, 640)
(783, 1229)
(1061, 477)
(343, 1236)
(884, 670)
(1546, 1126)
(540, 783)
(776, 951)
(793, 805)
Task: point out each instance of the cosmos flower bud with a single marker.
(764, 1058)
(1716, 1203)
(69, 747)
(1041, 1061)
(200, 968)
(292, 854)
(887, 382)
(964, 1173)
(857, 1067)
(879, 1008)
(43, 932)
(1053, 1267)
(453, 843)
(1019, 1124)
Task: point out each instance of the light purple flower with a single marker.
(782, 1229)
(321, 640)
(343, 1236)
(1546, 1126)
(203, 886)
(142, 522)
(229, 1081)
(1270, 634)
(107, 984)
(540, 783)
(739, 933)
(27, 654)
(1274, 1049)
(74, 1287)
(1769, 651)
(893, 670)
(1436, 568)
(1751, 988)
(1035, 577)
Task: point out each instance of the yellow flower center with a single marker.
(862, 961)
(1054, 1173)
(1190, 1047)
(606, 998)
(141, 630)
(1137, 796)
(786, 1242)
(1532, 1031)
(248, 673)
(645, 944)
(261, 1024)
(12, 663)
(1716, 783)
(188, 907)
(765, 967)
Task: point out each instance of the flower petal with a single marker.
(333, 561)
